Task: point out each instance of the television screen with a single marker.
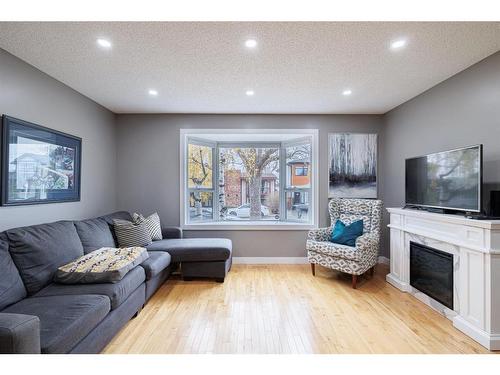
(448, 180)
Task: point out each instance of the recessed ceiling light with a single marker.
(250, 93)
(397, 44)
(104, 43)
(251, 43)
(347, 92)
(153, 92)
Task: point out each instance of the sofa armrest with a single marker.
(171, 232)
(19, 334)
(368, 243)
(319, 234)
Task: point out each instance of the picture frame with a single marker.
(39, 165)
(352, 165)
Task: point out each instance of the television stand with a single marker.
(482, 217)
(426, 209)
(413, 207)
(444, 211)
(474, 245)
(437, 210)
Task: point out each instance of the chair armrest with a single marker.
(368, 242)
(19, 334)
(171, 232)
(319, 234)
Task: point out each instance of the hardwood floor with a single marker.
(284, 309)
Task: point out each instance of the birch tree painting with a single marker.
(352, 165)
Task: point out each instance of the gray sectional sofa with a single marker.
(40, 316)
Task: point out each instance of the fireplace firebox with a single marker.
(431, 272)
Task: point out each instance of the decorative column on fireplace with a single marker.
(453, 265)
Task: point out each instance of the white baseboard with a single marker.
(490, 341)
(270, 260)
(394, 281)
(283, 260)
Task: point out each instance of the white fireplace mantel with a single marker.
(475, 245)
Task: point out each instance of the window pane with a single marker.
(249, 183)
(297, 205)
(201, 206)
(298, 166)
(199, 166)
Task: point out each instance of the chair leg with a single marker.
(372, 271)
(313, 269)
(354, 280)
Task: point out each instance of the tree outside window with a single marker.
(248, 181)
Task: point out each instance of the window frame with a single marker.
(204, 143)
(292, 189)
(215, 224)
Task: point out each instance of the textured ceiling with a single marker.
(205, 68)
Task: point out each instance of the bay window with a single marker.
(240, 180)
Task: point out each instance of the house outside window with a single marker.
(241, 180)
(301, 171)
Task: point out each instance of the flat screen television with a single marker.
(448, 180)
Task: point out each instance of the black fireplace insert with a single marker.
(431, 272)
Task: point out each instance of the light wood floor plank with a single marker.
(284, 309)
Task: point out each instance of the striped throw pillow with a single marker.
(152, 222)
(131, 234)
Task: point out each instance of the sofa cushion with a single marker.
(157, 262)
(11, 286)
(122, 215)
(116, 292)
(333, 250)
(105, 265)
(64, 320)
(94, 234)
(194, 249)
(39, 250)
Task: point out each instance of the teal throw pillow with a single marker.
(346, 234)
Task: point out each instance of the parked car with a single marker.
(206, 213)
(243, 211)
(301, 209)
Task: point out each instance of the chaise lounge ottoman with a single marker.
(198, 257)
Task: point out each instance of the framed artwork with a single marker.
(352, 165)
(38, 165)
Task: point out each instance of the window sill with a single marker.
(249, 225)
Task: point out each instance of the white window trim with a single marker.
(249, 225)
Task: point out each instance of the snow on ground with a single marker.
(367, 190)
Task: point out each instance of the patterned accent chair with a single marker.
(352, 260)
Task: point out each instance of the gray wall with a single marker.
(463, 110)
(148, 169)
(31, 95)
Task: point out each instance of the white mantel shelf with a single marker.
(475, 246)
(446, 218)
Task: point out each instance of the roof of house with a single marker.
(303, 161)
(43, 159)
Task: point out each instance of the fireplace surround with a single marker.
(473, 246)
